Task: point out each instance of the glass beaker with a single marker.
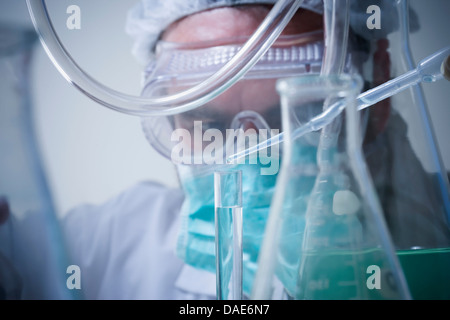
(30, 241)
(326, 237)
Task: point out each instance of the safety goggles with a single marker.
(251, 106)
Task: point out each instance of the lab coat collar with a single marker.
(196, 281)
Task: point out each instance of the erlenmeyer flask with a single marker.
(326, 237)
(30, 242)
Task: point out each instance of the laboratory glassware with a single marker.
(183, 101)
(228, 234)
(30, 239)
(326, 236)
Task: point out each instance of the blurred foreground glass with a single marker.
(32, 257)
(416, 202)
(326, 236)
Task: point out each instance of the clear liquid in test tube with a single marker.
(228, 224)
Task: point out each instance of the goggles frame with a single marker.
(181, 65)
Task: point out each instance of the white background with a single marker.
(92, 153)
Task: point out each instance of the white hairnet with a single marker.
(148, 18)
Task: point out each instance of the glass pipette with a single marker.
(430, 69)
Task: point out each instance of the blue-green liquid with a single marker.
(344, 275)
(427, 272)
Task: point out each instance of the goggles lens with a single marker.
(251, 106)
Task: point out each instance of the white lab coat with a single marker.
(126, 248)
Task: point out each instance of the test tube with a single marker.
(228, 241)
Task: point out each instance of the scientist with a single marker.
(153, 242)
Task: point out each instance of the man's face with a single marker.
(228, 22)
(222, 24)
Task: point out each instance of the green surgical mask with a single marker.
(196, 239)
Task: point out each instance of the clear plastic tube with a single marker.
(337, 21)
(429, 70)
(189, 99)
